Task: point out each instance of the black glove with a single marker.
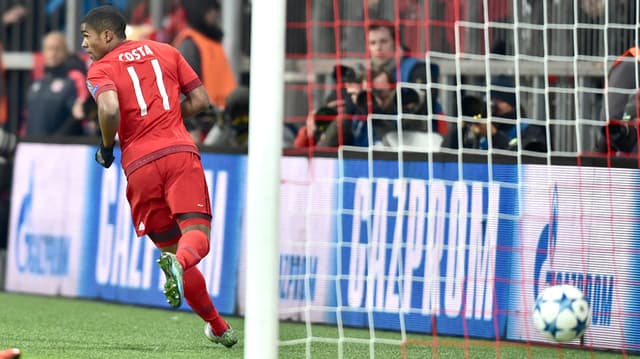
(104, 156)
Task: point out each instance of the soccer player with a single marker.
(137, 87)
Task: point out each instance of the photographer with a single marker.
(326, 118)
(379, 98)
(475, 129)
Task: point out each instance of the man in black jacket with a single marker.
(55, 102)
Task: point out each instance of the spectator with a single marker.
(620, 113)
(55, 102)
(474, 127)
(201, 45)
(383, 50)
(317, 123)
(503, 130)
(503, 107)
(384, 101)
(378, 99)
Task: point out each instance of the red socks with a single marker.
(192, 247)
(195, 292)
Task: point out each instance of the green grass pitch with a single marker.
(53, 327)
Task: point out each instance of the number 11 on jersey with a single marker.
(138, 89)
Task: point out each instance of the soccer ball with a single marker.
(562, 313)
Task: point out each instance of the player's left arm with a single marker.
(196, 101)
(196, 97)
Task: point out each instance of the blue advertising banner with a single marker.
(48, 225)
(419, 253)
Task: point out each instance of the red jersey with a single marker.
(148, 77)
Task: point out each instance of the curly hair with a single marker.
(106, 18)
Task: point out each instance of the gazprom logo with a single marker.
(598, 288)
(38, 252)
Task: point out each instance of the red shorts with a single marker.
(160, 190)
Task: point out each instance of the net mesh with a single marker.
(429, 201)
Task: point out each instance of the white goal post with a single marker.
(263, 178)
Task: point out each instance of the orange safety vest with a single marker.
(633, 51)
(217, 75)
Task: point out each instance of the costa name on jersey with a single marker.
(135, 54)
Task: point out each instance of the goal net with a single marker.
(425, 205)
